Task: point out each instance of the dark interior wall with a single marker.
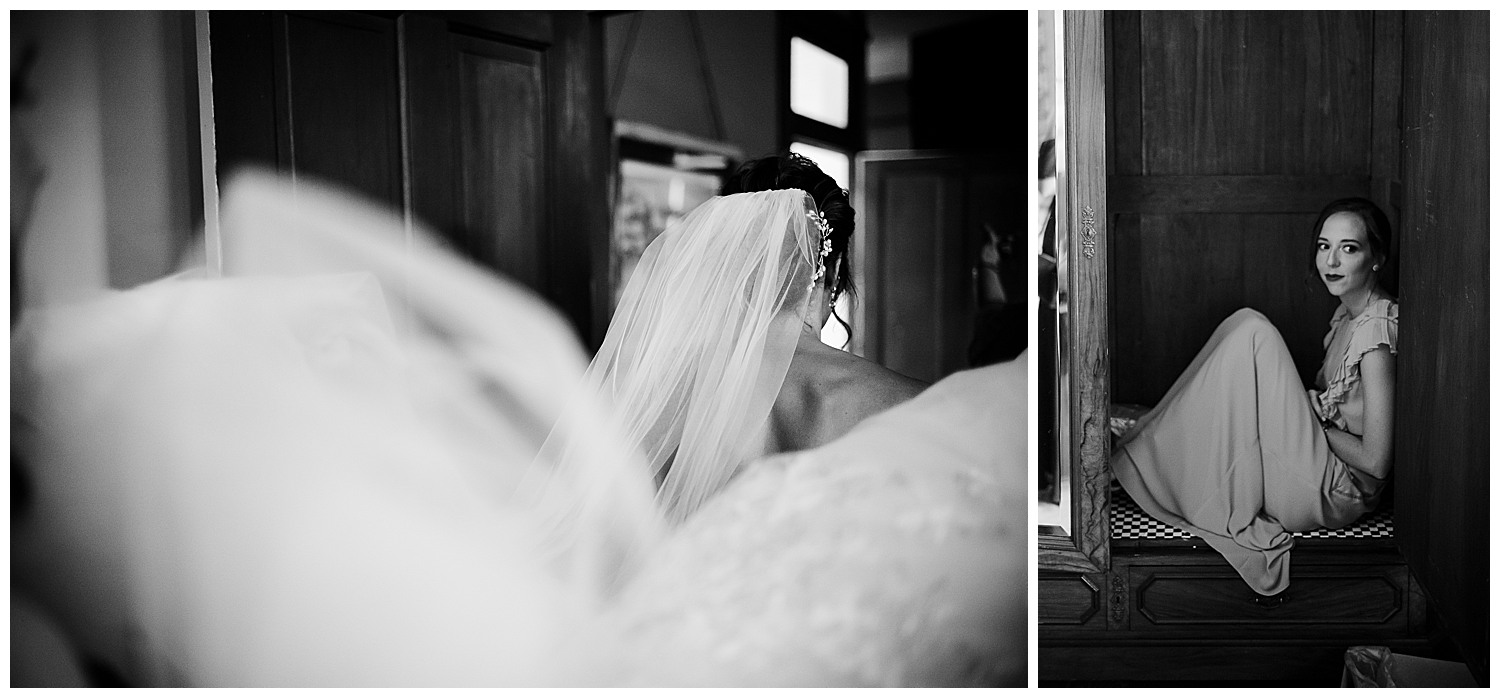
(1442, 407)
(1222, 150)
(888, 121)
(660, 73)
(965, 91)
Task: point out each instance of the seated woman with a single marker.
(1239, 454)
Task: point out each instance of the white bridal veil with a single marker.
(701, 341)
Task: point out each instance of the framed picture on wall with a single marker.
(661, 176)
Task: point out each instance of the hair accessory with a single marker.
(825, 248)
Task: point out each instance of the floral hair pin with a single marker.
(826, 235)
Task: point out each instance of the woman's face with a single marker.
(1345, 260)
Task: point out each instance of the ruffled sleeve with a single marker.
(1373, 328)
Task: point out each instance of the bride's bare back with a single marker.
(827, 392)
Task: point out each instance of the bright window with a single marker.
(833, 163)
(820, 84)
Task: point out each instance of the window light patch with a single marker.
(820, 84)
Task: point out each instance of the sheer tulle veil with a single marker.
(700, 345)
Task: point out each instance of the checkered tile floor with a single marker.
(1127, 521)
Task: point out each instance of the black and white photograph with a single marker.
(1263, 349)
(547, 348)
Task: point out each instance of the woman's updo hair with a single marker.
(793, 171)
(1377, 232)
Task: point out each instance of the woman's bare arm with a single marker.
(1371, 454)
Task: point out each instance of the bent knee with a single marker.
(1247, 320)
(1249, 326)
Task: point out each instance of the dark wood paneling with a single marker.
(489, 127)
(1230, 193)
(1224, 153)
(1194, 665)
(1213, 631)
(1124, 36)
(244, 85)
(576, 249)
(1216, 98)
(343, 103)
(1385, 136)
(1070, 600)
(430, 88)
(1217, 596)
(916, 207)
(1443, 374)
(502, 123)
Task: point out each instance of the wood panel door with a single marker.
(1442, 472)
(1222, 153)
(488, 126)
(922, 223)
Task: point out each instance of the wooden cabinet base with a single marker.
(1177, 613)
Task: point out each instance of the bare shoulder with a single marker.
(828, 392)
(881, 384)
(867, 387)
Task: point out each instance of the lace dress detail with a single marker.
(1341, 400)
(848, 565)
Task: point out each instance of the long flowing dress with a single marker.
(323, 470)
(1234, 453)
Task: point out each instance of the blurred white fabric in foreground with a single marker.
(318, 471)
(894, 556)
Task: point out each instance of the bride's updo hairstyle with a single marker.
(793, 171)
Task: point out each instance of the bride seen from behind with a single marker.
(827, 391)
(320, 470)
(713, 357)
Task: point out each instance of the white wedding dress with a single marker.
(323, 470)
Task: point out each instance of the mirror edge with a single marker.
(1082, 214)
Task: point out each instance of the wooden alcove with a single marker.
(1196, 149)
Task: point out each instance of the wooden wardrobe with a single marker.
(1197, 150)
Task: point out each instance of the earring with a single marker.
(1375, 268)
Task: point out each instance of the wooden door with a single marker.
(922, 223)
(488, 126)
(1442, 376)
(1222, 153)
